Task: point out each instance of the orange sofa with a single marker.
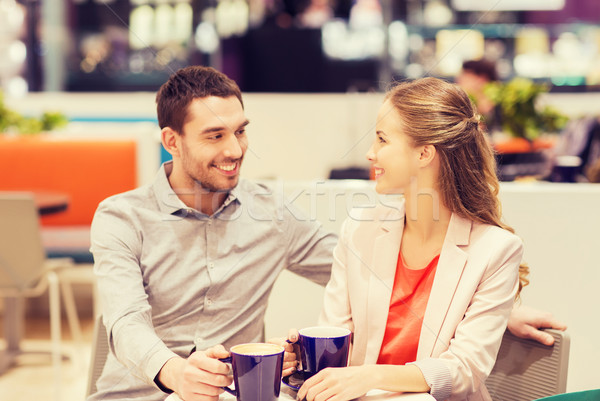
(87, 170)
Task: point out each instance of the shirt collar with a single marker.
(169, 202)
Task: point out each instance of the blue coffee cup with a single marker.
(323, 347)
(257, 371)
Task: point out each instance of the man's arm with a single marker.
(127, 313)
(526, 322)
(309, 246)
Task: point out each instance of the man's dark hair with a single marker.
(482, 68)
(187, 84)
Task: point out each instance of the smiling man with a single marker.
(189, 260)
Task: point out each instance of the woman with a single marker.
(426, 288)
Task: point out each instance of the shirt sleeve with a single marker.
(336, 303)
(309, 246)
(116, 246)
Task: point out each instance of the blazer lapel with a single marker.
(449, 271)
(381, 283)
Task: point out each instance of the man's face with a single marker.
(471, 82)
(213, 143)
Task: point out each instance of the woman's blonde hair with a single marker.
(441, 114)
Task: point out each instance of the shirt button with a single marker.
(211, 265)
(209, 301)
(210, 222)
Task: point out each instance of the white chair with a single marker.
(25, 272)
(528, 370)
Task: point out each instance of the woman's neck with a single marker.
(426, 215)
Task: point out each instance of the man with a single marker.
(473, 78)
(190, 260)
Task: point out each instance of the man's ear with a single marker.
(170, 140)
(427, 155)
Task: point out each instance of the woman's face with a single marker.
(394, 159)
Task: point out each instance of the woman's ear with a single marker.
(427, 155)
(170, 140)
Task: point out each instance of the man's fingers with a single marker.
(540, 336)
(218, 351)
(552, 323)
(196, 375)
(203, 362)
(203, 389)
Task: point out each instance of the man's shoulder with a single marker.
(254, 186)
(258, 191)
(129, 199)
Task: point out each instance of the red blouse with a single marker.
(407, 308)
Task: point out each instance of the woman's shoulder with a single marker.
(492, 234)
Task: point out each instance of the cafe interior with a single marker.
(78, 80)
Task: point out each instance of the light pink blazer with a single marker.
(472, 295)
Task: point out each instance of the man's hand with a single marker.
(199, 377)
(526, 322)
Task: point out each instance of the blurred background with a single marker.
(293, 45)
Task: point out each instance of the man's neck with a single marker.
(200, 199)
(194, 195)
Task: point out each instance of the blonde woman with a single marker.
(427, 288)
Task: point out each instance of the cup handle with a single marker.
(229, 390)
(298, 369)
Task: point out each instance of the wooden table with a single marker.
(50, 202)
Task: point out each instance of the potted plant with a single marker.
(524, 119)
(13, 122)
(521, 114)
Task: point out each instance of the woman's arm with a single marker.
(342, 384)
(468, 342)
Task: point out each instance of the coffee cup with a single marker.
(323, 347)
(257, 371)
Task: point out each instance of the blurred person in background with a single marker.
(473, 77)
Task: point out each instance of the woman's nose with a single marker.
(370, 154)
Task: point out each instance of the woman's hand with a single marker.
(290, 356)
(338, 384)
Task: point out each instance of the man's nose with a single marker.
(233, 147)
